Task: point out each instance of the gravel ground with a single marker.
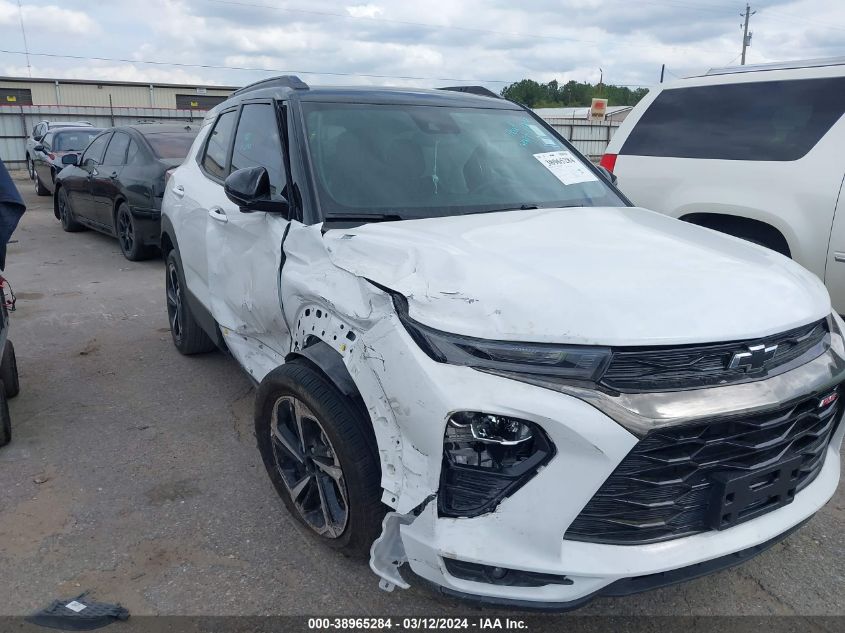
(133, 472)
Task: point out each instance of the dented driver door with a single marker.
(245, 253)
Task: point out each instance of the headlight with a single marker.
(572, 362)
(486, 458)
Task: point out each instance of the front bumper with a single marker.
(526, 530)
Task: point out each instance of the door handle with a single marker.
(178, 191)
(218, 214)
(839, 257)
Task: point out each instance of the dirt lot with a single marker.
(133, 472)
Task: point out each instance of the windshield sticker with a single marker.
(565, 167)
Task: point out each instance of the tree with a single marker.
(572, 94)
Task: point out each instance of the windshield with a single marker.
(74, 141)
(166, 145)
(428, 161)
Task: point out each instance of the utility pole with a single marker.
(23, 33)
(746, 36)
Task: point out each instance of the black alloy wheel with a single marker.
(309, 467)
(69, 224)
(173, 289)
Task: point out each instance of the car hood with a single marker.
(607, 276)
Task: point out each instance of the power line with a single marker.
(268, 70)
(276, 70)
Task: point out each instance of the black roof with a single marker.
(148, 129)
(369, 94)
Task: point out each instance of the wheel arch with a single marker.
(168, 236)
(320, 356)
(757, 231)
(58, 186)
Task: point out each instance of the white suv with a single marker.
(475, 358)
(753, 151)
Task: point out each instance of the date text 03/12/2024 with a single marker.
(417, 623)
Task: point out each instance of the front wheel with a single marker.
(40, 189)
(5, 418)
(9, 371)
(30, 168)
(69, 223)
(131, 244)
(319, 451)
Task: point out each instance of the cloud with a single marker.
(365, 11)
(50, 18)
(492, 42)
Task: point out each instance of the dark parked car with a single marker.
(47, 155)
(117, 184)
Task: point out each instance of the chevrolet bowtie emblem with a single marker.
(752, 359)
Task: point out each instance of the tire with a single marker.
(40, 189)
(188, 337)
(131, 246)
(69, 223)
(9, 371)
(30, 168)
(334, 428)
(5, 419)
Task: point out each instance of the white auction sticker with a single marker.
(75, 606)
(565, 167)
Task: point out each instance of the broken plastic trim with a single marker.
(387, 553)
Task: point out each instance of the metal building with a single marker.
(119, 94)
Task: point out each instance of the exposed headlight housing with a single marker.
(486, 458)
(580, 363)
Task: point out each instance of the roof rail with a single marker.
(805, 63)
(284, 81)
(475, 90)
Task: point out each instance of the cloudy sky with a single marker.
(423, 43)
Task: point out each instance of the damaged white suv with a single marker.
(476, 358)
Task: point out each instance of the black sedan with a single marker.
(47, 155)
(117, 184)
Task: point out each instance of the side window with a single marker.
(759, 121)
(214, 161)
(258, 143)
(47, 141)
(94, 154)
(116, 153)
(133, 154)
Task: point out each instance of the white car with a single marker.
(752, 151)
(475, 358)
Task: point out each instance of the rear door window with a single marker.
(217, 149)
(760, 121)
(94, 154)
(116, 153)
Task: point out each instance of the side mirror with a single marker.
(70, 159)
(39, 148)
(608, 174)
(249, 188)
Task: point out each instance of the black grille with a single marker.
(690, 367)
(664, 487)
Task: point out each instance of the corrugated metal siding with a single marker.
(97, 94)
(16, 123)
(589, 137)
